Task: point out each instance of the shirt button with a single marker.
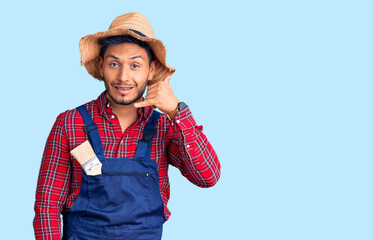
(177, 121)
(108, 105)
(112, 116)
(188, 146)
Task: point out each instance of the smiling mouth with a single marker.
(123, 90)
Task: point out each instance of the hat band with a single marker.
(138, 33)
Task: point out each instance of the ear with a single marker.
(100, 62)
(152, 68)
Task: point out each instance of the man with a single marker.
(133, 142)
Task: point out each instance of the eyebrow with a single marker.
(112, 56)
(134, 57)
(138, 56)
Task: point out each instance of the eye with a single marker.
(135, 65)
(113, 64)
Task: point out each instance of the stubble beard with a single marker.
(122, 101)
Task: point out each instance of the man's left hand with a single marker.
(161, 96)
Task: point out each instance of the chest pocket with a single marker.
(120, 198)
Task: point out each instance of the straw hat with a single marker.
(134, 24)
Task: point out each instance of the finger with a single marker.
(149, 102)
(167, 80)
(151, 87)
(149, 96)
(151, 91)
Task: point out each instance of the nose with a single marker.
(124, 74)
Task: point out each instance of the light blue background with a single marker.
(282, 88)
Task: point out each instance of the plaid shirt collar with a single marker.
(105, 108)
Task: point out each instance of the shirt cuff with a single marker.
(183, 120)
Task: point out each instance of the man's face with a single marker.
(126, 71)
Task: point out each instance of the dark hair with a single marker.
(113, 40)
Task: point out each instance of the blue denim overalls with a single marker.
(124, 202)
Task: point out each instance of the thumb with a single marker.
(167, 80)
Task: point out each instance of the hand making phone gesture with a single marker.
(161, 96)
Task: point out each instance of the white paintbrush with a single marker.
(87, 158)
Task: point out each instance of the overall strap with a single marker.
(91, 129)
(145, 144)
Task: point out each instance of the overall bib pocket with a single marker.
(115, 193)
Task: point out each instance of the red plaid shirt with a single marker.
(180, 143)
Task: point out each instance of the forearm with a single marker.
(47, 223)
(192, 153)
(48, 205)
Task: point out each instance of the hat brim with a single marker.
(90, 50)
